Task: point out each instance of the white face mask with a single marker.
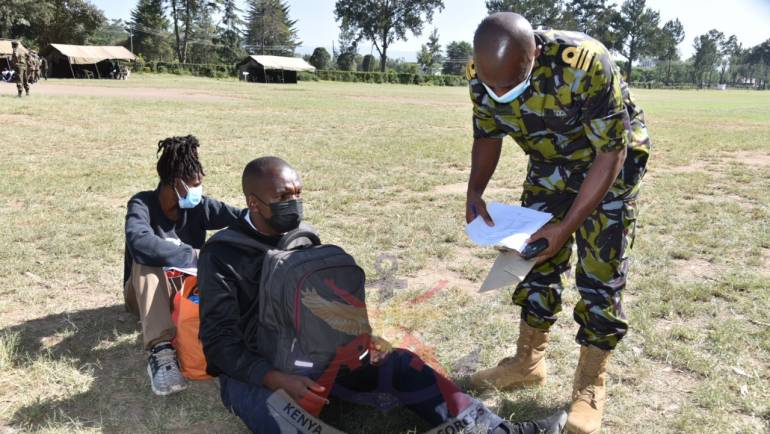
(193, 197)
(514, 93)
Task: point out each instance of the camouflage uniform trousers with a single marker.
(603, 241)
(20, 77)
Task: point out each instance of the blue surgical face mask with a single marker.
(512, 94)
(193, 198)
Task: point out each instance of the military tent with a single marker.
(5, 59)
(272, 69)
(84, 61)
(5, 53)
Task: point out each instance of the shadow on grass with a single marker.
(103, 344)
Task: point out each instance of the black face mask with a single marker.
(286, 215)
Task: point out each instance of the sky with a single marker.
(747, 19)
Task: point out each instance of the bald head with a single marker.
(267, 175)
(503, 50)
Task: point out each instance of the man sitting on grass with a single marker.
(229, 282)
(165, 227)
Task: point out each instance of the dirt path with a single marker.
(43, 88)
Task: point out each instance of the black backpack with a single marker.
(311, 301)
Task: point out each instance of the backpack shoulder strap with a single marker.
(304, 236)
(231, 236)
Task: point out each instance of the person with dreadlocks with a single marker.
(166, 227)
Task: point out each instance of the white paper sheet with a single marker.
(192, 271)
(513, 226)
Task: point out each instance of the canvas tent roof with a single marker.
(284, 63)
(88, 54)
(5, 47)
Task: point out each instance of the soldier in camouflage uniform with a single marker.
(560, 96)
(34, 68)
(44, 67)
(19, 59)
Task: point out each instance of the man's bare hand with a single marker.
(556, 234)
(296, 386)
(379, 349)
(475, 206)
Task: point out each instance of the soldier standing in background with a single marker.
(34, 68)
(44, 68)
(19, 59)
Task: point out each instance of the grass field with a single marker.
(384, 170)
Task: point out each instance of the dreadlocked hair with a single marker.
(178, 159)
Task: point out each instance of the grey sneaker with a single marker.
(163, 369)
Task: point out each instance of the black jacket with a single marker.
(147, 229)
(228, 280)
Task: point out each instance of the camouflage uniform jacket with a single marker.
(19, 59)
(576, 106)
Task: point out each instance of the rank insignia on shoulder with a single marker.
(470, 70)
(581, 57)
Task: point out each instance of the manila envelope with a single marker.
(508, 270)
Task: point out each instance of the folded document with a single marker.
(513, 226)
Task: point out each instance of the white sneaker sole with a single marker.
(174, 389)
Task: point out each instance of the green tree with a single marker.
(637, 32)
(458, 53)
(22, 18)
(346, 61)
(150, 26)
(112, 32)
(230, 33)
(759, 58)
(671, 36)
(203, 34)
(384, 22)
(706, 56)
(400, 66)
(728, 49)
(184, 13)
(269, 29)
(40, 22)
(549, 13)
(369, 63)
(592, 17)
(429, 58)
(320, 58)
(71, 22)
(345, 55)
(14, 17)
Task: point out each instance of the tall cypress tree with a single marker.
(230, 33)
(151, 37)
(202, 35)
(269, 30)
(430, 57)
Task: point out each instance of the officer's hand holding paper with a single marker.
(513, 226)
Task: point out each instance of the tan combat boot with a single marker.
(526, 368)
(588, 393)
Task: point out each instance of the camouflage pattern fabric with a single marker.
(576, 106)
(603, 242)
(19, 59)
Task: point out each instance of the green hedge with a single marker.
(387, 77)
(221, 71)
(661, 85)
(199, 70)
